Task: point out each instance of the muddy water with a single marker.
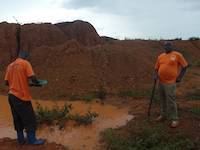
(74, 137)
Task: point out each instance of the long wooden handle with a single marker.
(151, 99)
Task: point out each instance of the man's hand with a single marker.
(178, 80)
(182, 73)
(155, 75)
(6, 83)
(33, 81)
(33, 84)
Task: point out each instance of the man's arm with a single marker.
(181, 74)
(155, 74)
(184, 64)
(6, 83)
(34, 81)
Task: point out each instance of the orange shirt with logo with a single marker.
(17, 74)
(168, 66)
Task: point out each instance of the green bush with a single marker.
(101, 93)
(89, 97)
(44, 115)
(86, 119)
(194, 38)
(148, 138)
(115, 142)
(59, 116)
(195, 111)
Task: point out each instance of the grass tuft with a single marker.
(195, 111)
(86, 119)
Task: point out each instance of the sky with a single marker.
(130, 19)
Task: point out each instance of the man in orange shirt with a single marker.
(17, 77)
(170, 69)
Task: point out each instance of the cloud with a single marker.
(192, 8)
(127, 7)
(141, 18)
(189, 5)
(78, 4)
(119, 18)
(119, 7)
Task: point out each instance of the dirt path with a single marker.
(10, 144)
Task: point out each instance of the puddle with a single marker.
(74, 137)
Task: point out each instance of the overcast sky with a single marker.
(115, 18)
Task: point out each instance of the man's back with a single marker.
(17, 76)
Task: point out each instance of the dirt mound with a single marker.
(9, 144)
(74, 59)
(36, 35)
(71, 68)
(120, 65)
(82, 31)
(7, 42)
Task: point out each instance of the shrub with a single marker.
(86, 119)
(195, 111)
(59, 116)
(101, 93)
(44, 115)
(194, 38)
(89, 97)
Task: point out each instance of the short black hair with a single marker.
(23, 54)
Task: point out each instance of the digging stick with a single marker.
(18, 38)
(152, 96)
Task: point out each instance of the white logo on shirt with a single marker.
(173, 58)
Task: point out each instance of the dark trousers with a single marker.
(23, 114)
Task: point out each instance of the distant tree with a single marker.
(194, 38)
(178, 39)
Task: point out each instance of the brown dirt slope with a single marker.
(74, 59)
(36, 35)
(83, 32)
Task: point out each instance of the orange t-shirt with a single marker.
(168, 66)
(17, 75)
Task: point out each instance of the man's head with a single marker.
(168, 47)
(23, 54)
